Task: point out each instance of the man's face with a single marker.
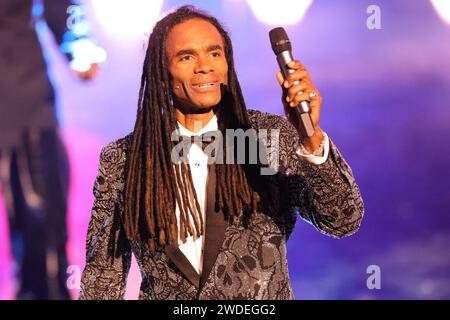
(197, 65)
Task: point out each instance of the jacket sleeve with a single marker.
(57, 17)
(67, 21)
(325, 195)
(108, 253)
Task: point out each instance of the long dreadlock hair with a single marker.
(153, 183)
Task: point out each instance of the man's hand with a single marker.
(89, 74)
(293, 94)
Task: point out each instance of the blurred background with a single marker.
(386, 97)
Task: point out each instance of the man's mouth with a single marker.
(204, 85)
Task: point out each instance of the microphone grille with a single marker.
(279, 40)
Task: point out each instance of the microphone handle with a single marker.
(302, 112)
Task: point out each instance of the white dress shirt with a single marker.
(192, 248)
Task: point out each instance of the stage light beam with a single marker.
(442, 7)
(280, 12)
(130, 17)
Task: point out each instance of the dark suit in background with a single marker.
(34, 164)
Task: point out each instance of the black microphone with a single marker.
(282, 48)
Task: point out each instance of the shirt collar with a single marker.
(212, 125)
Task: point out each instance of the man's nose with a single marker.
(203, 65)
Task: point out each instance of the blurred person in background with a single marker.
(33, 163)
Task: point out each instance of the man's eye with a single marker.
(215, 54)
(186, 58)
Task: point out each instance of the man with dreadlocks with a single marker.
(202, 230)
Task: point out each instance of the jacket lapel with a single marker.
(216, 226)
(182, 263)
(179, 259)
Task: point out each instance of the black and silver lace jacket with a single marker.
(241, 261)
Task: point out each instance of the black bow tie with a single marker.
(201, 140)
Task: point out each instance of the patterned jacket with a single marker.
(241, 260)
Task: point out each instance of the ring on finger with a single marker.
(313, 95)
